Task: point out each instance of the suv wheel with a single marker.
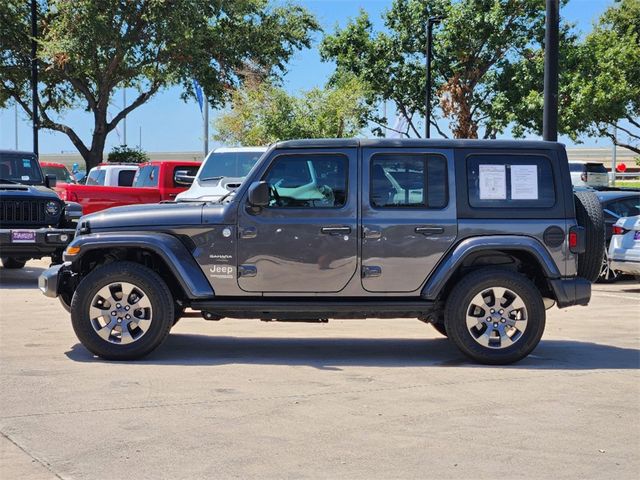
(13, 263)
(122, 311)
(495, 316)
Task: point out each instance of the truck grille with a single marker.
(23, 212)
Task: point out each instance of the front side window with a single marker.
(125, 178)
(408, 180)
(510, 181)
(308, 181)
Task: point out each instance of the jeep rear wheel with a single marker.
(495, 316)
(13, 263)
(122, 311)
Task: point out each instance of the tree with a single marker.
(89, 48)
(599, 84)
(124, 154)
(263, 113)
(474, 46)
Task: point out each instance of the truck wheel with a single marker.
(122, 311)
(13, 263)
(495, 316)
(589, 215)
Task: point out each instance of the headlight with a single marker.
(52, 208)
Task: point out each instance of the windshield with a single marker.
(96, 177)
(20, 168)
(228, 164)
(61, 173)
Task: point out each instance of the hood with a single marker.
(33, 192)
(211, 190)
(146, 217)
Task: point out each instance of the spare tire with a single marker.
(589, 216)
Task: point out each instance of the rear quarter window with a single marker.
(510, 181)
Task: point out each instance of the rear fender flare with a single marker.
(456, 257)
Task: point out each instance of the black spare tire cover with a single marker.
(589, 216)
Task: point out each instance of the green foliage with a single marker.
(599, 81)
(474, 47)
(125, 154)
(89, 48)
(264, 113)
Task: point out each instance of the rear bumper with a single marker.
(627, 266)
(47, 241)
(571, 291)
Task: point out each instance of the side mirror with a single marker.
(50, 181)
(182, 177)
(259, 194)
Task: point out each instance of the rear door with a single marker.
(408, 218)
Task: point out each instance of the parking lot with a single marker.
(349, 399)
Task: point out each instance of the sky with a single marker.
(166, 123)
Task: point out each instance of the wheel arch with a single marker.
(162, 252)
(523, 254)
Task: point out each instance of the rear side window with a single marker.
(125, 178)
(96, 177)
(629, 207)
(408, 181)
(146, 177)
(510, 181)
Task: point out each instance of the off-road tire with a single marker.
(589, 216)
(150, 282)
(460, 298)
(12, 263)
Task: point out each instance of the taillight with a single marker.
(616, 230)
(577, 240)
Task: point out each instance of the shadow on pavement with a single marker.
(26, 277)
(332, 353)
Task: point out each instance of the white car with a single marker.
(221, 172)
(115, 175)
(589, 174)
(624, 249)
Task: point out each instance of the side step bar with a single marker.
(314, 308)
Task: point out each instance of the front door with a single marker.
(408, 219)
(306, 240)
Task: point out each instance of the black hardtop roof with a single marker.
(17, 152)
(418, 143)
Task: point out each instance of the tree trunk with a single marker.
(95, 155)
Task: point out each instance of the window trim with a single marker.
(510, 206)
(273, 161)
(426, 185)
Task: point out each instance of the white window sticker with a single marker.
(493, 182)
(524, 182)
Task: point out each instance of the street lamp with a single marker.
(430, 23)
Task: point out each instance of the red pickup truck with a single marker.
(153, 182)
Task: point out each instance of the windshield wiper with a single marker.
(219, 177)
(6, 180)
(225, 196)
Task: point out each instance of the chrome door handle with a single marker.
(336, 230)
(429, 230)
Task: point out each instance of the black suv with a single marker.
(34, 222)
(478, 238)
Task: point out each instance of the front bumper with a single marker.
(47, 241)
(571, 291)
(53, 279)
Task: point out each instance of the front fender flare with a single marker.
(454, 258)
(173, 252)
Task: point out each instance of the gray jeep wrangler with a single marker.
(477, 238)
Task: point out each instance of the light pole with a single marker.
(550, 112)
(427, 101)
(34, 73)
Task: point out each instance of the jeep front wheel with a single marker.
(13, 263)
(495, 316)
(122, 311)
